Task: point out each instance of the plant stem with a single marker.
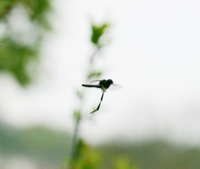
(75, 139)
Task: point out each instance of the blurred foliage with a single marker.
(79, 94)
(5, 7)
(155, 155)
(77, 115)
(39, 143)
(98, 31)
(46, 145)
(15, 56)
(9, 139)
(93, 75)
(36, 9)
(122, 162)
(86, 157)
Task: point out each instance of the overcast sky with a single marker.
(154, 54)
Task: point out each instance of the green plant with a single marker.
(20, 45)
(81, 155)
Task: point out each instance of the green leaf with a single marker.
(14, 58)
(97, 33)
(94, 75)
(77, 115)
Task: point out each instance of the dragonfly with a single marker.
(104, 85)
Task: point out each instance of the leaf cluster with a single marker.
(36, 9)
(15, 56)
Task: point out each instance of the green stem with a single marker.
(74, 153)
(75, 139)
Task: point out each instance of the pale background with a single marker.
(154, 54)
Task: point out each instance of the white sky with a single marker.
(154, 55)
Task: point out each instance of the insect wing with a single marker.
(95, 82)
(114, 87)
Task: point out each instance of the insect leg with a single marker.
(99, 104)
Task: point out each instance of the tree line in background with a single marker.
(47, 146)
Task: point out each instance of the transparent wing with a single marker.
(114, 87)
(95, 82)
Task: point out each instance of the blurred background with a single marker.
(151, 50)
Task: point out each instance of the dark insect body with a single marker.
(103, 85)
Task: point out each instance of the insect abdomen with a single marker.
(87, 85)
